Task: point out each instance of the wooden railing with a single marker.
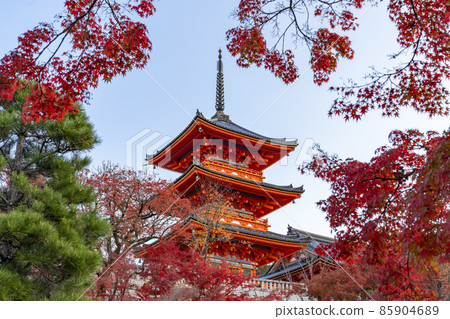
(259, 288)
(265, 284)
(249, 222)
(239, 171)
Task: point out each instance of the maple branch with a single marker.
(391, 198)
(411, 288)
(66, 30)
(297, 25)
(307, 21)
(52, 56)
(282, 37)
(273, 15)
(416, 15)
(276, 12)
(398, 177)
(330, 3)
(114, 15)
(85, 34)
(388, 76)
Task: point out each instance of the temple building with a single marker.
(304, 264)
(226, 154)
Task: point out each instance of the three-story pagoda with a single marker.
(225, 153)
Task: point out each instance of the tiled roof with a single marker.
(311, 256)
(267, 234)
(229, 125)
(291, 268)
(287, 188)
(316, 238)
(247, 231)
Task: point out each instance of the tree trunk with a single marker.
(16, 167)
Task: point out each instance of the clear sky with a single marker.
(181, 75)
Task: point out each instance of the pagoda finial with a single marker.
(220, 104)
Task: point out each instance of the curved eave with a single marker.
(191, 132)
(234, 179)
(297, 267)
(285, 245)
(155, 158)
(267, 236)
(275, 196)
(320, 239)
(242, 132)
(270, 239)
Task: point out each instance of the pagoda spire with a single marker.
(220, 99)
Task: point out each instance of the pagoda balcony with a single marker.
(242, 219)
(233, 169)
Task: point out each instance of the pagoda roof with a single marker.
(276, 196)
(284, 188)
(229, 125)
(291, 239)
(222, 128)
(276, 244)
(267, 234)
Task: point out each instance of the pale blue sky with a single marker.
(186, 36)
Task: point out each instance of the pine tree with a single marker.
(47, 245)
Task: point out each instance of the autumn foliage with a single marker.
(139, 263)
(92, 40)
(322, 27)
(249, 40)
(139, 208)
(392, 212)
(347, 282)
(171, 273)
(418, 82)
(95, 40)
(211, 205)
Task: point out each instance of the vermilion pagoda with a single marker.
(221, 151)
